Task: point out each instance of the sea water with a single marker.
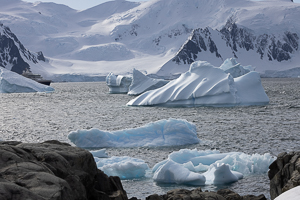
(274, 128)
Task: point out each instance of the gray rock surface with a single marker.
(53, 170)
(284, 173)
(198, 194)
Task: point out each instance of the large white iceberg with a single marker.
(11, 82)
(171, 132)
(123, 167)
(142, 83)
(206, 85)
(118, 84)
(231, 66)
(172, 172)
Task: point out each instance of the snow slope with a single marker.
(118, 36)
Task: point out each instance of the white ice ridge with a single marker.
(123, 167)
(99, 153)
(220, 168)
(11, 82)
(235, 69)
(142, 83)
(206, 85)
(118, 84)
(171, 132)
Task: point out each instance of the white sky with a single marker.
(84, 4)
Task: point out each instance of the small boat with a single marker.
(36, 77)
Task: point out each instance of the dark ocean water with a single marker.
(274, 128)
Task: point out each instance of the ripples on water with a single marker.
(36, 117)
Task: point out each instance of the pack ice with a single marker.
(11, 82)
(206, 85)
(171, 132)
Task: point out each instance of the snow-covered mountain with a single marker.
(15, 57)
(153, 36)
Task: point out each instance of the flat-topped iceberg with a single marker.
(125, 167)
(11, 82)
(206, 85)
(118, 84)
(235, 69)
(142, 83)
(171, 132)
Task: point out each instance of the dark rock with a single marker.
(198, 194)
(284, 173)
(53, 170)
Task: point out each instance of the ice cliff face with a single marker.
(13, 55)
(232, 39)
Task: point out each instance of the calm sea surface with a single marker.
(275, 128)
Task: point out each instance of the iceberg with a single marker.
(235, 69)
(142, 83)
(172, 172)
(171, 132)
(123, 167)
(206, 85)
(218, 168)
(221, 174)
(199, 161)
(11, 82)
(118, 84)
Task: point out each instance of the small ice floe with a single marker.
(123, 167)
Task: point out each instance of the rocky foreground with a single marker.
(57, 171)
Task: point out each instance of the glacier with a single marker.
(11, 82)
(142, 83)
(118, 84)
(171, 132)
(206, 85)
(124, 167)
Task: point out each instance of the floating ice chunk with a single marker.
(198, 161)
(206, 85)
(142, 83)
(172, 172)
(220, 174)
(292, 194)
(248, 164)
(171, 132)
(118, 84)
(123, 167)
(99, 153)
(235, 69)
(11, 82)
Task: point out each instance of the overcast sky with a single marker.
(84, 4)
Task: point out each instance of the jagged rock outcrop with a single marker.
(278, 47)
(198, 194)
(284, 173)
(53, 170)
(13, 55)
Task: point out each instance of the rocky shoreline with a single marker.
(58, 171)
